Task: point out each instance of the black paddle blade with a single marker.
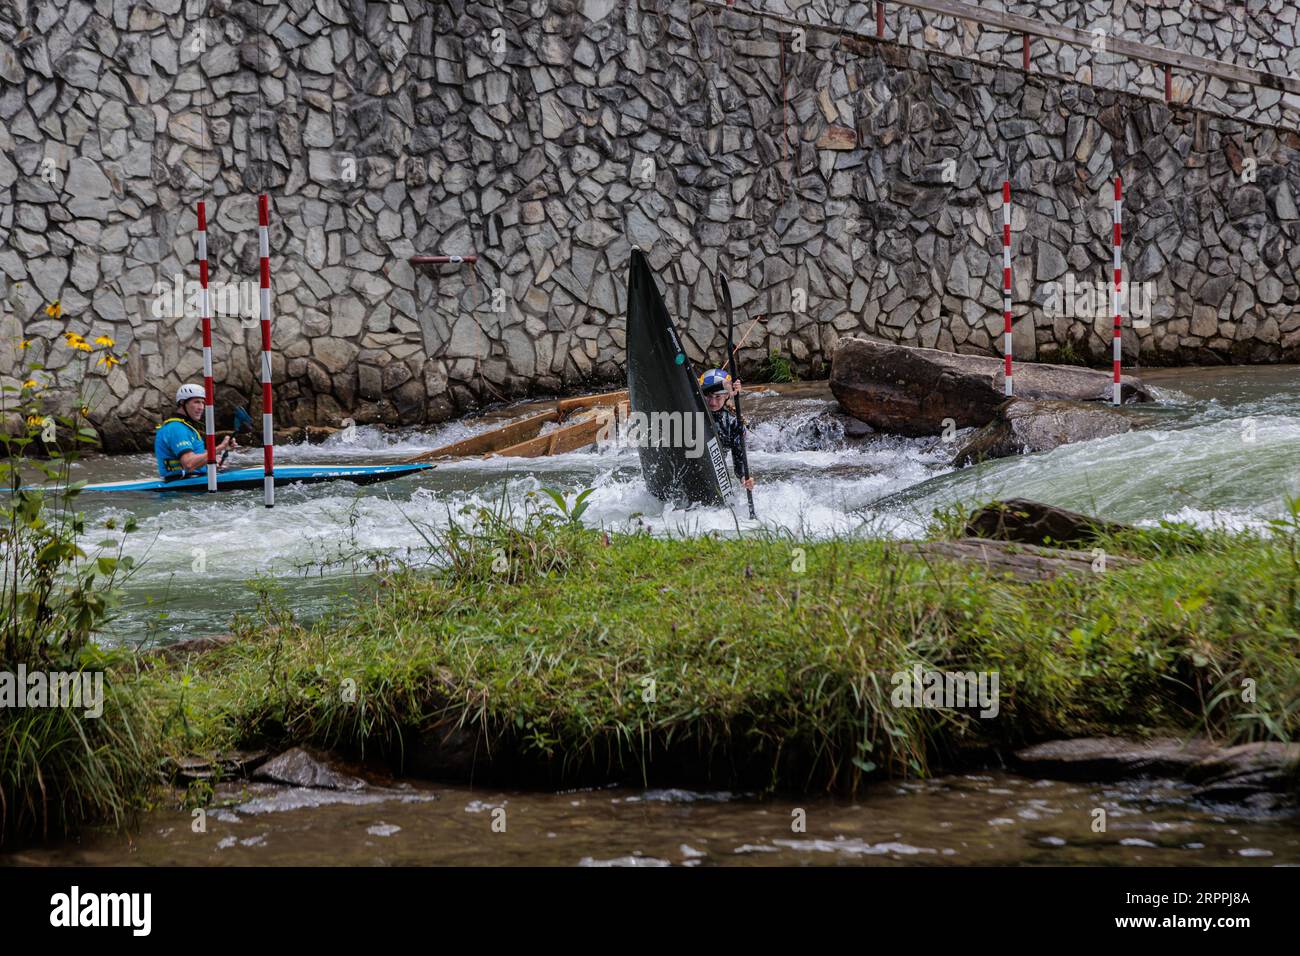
(724, 292)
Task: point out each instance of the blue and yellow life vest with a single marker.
(170, 465)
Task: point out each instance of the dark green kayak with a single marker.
(681, 459)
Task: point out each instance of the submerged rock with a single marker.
(1025, 426)
(915, 391)
(1031, 522)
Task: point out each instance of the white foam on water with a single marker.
(1209, 463)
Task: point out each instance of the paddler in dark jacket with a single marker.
(718, 388)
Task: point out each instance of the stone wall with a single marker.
(548, 137)
(1259, 34)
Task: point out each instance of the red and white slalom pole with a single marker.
(268, 429)
(205, 318)
(1115, 295)
(1006, 282)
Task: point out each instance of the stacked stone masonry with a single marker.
(864, 198)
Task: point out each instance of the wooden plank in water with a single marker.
(592, 401)
(491, 441)
(561, 440)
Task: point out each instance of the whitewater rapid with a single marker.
(1225, 452)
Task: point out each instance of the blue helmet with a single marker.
(714, 380)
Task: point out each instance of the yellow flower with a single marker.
(25, 344)
(54, 309)
(72, 338)
(103, 340)
(81, 345)
(31, 383)
(108, 361)
(35, 421)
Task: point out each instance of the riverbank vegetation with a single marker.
(549, 654)
(539, 652)
(59, 766)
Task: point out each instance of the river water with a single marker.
(988, 818)
(1224, 449)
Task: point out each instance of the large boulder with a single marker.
(913, 391)
(1031, 522)
(1021, 425)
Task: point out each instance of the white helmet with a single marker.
(186, 392)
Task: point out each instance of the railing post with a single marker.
(880, 18)
(1025, 51)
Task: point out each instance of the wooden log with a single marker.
(490, 441)
(568, 438)
(566, 405)
(1024, 562)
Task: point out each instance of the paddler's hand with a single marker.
(735, 386)
(749, 484)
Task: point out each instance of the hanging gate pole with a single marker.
(205, 318)
(268, 428)
(1115, 295)
(1006, 282)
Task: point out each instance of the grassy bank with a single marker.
(551, 654)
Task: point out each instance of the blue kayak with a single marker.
(246, 478)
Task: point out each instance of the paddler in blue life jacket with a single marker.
(179, 444)
(718, 388)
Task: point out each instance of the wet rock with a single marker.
(1113, 758)
(1030, 522)
(234, 763)
(913, 391)
(1024, 427)
(1263, 775)
(298, 768)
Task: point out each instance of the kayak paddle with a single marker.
(731, 364)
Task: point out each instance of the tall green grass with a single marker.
(59, 768)
(771, 659)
